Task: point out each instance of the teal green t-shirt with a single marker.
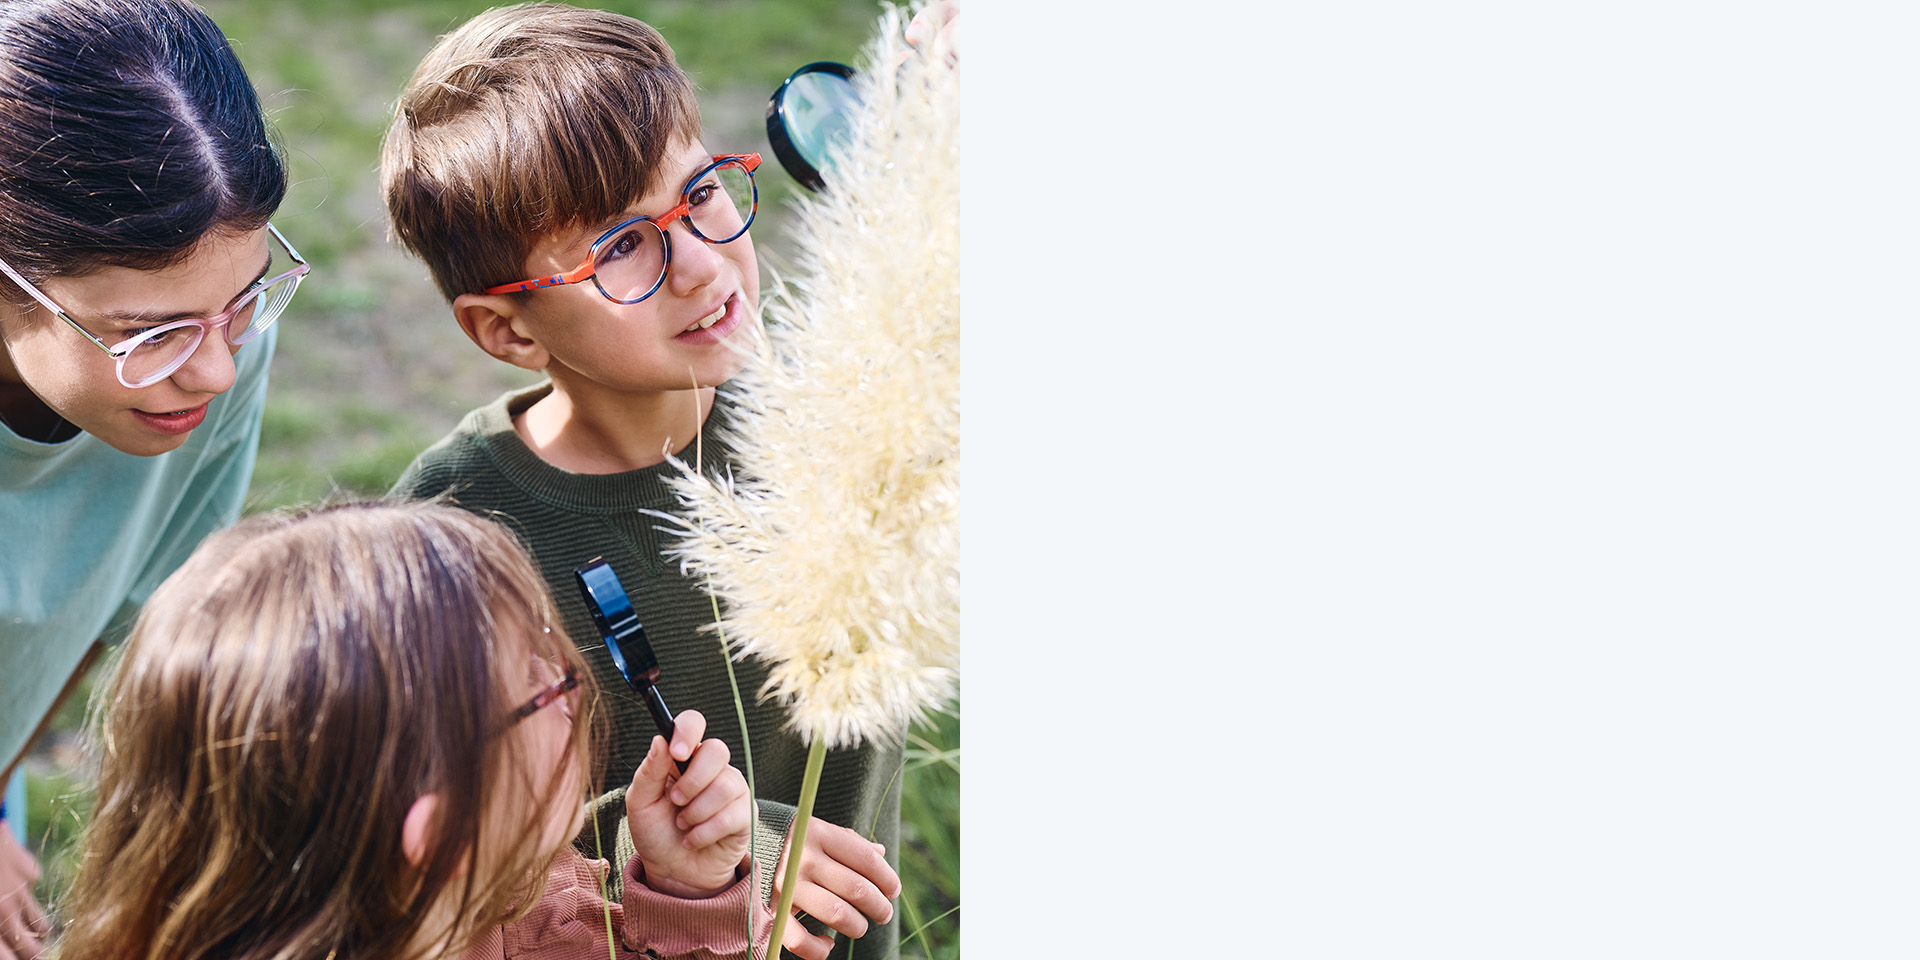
(89, 532)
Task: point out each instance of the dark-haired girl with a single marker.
(139, 282)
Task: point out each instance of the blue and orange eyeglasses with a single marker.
(629, 262)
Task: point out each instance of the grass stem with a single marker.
(797, 845)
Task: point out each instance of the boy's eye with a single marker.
(623, 245)
(700, 195)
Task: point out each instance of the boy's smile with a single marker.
(682, 336)
(627, 378)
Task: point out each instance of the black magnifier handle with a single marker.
(626, 640)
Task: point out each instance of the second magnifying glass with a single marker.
(808, 115)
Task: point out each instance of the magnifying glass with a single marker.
(808, 115)
(626, 640)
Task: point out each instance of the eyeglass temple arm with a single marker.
(54, 308)
(575, 275)
(277, 235)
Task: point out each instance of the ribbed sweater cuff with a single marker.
(709, 929)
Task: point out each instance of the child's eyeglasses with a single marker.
(629, 262)
(153, 354)
(560, 687)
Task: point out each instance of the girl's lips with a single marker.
(176, 422)
(720, 329)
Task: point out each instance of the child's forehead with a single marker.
(681, 161)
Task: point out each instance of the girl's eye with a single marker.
(155, 341)
(699, 196)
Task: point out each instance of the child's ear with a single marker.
(417, 832)
(497, 324)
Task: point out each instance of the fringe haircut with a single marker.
(527, 120)
(128, 131)
(283, 699)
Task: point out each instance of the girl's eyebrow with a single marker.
(133, 317)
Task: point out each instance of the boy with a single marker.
(545, 162)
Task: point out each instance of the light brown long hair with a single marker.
(284, 698)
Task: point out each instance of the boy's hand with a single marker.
(844, 882)
(936, 28)
(690, 829)
(22, 923)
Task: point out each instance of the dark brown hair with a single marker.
(526, 120)
(128, 132)
(283, 699)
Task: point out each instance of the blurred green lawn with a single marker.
(371, 367)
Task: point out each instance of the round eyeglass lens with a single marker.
(259, 313)
(160, 352)
(631, 263)
(721, 202)
(163, 349)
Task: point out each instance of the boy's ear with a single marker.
(497, 324)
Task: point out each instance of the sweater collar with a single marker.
(645, 487)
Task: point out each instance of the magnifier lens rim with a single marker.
(783, 146)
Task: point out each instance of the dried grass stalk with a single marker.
(836, 544)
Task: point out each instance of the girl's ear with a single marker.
(497, 324)
(417, 831)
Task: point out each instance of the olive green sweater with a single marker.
(566, 519)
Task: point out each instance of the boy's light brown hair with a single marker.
(527, 120)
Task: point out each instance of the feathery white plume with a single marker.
(837, 546)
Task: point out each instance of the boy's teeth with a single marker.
(706, 322)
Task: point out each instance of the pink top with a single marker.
(569, 923)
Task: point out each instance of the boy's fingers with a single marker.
(862, 856)
(803, 943)
(688, 729)
(849, 900)
(831, 909)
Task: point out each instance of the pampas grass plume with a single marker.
(836, 545)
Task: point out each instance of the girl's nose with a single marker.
(210, 369)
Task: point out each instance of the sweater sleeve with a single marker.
(770, 838)
(710, 929)
(572, 920)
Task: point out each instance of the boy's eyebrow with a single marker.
(154, 317)
(622, 216)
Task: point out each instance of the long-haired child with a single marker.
(356, 732)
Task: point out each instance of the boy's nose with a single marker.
(210, 369)
(696, 262)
